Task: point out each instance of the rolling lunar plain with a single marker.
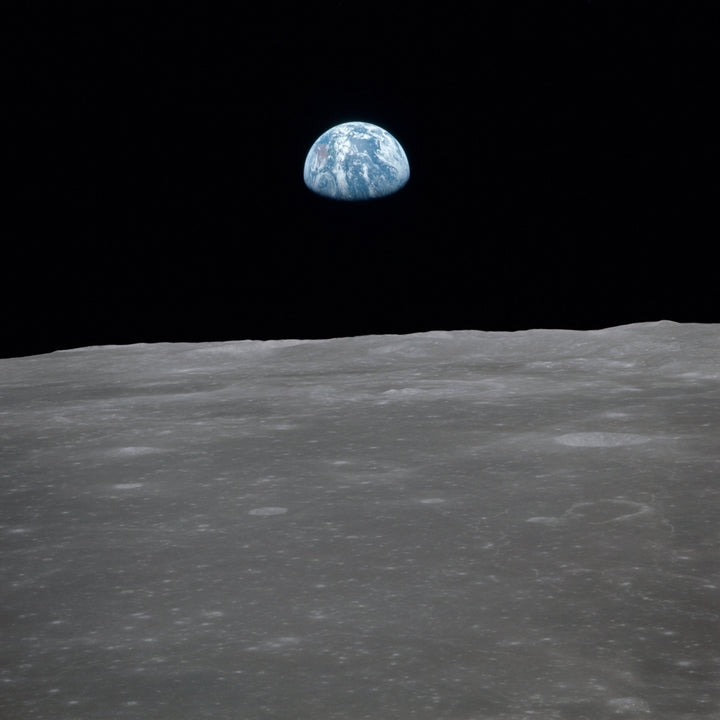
(457, 525)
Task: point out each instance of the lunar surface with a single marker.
(446, 525)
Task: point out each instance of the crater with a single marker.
(602, 439)
(266, 511)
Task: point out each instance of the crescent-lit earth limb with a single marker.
(356, 161)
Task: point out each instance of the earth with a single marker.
(356, 161)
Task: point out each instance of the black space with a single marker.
(563, 170)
